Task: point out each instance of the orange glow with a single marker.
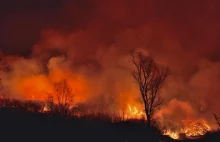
(191, 128)
(45, 108)
(173, 135)
(195, 128)
(127, 101)
(37, 87)
(133, 112)
(34, 87)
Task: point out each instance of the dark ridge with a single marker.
(22, 121)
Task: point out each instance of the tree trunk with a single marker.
(148, 117)
(148, 120)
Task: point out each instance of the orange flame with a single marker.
(190, 128)
(195, 128)
(173, 135)
(133, 112)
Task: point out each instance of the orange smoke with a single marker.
(37, 87)
(88, 44)
(34, 87)
(28, 81)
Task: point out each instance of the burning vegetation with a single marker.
(74, 59)
(66, 97)
(189, 129)
(195, 128)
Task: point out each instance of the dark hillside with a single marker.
(28, 126)
(25, 126)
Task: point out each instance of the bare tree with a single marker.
(217, 118)
(149, 78)
(62, 97)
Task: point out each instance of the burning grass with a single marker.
(173, 135)
(79, 110)
(195, 128)
(189, 129)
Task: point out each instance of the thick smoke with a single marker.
(90, 44)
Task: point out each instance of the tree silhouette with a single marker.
(217, 118)
(62, 98)
(149, 78)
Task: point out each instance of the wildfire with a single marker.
(45, 108)
(173, 135)
(190, 129)
(195, 128)
(133, 112)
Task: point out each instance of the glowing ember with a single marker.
(173, 135)
(45, 109)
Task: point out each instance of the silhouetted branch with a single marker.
(217, 118)
(149, 78)
(62, 98)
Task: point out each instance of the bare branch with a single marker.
(217, 118)
(62, 97)
(149, 78)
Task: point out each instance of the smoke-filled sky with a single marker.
(94, 38)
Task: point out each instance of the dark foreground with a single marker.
(16, 126)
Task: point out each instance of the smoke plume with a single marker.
(90, 44)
